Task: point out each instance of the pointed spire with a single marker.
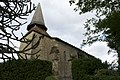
(37, 19)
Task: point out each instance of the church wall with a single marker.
(44, 46)
(64, 53)
(23, 45)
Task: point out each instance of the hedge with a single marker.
(25, 70)
(51, 78)
(92, 69)
(103, 77)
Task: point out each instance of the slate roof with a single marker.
(37, 19)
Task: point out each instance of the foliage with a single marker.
(25, 70)
(105, 25)
(103, 77)
(50, 78)
(92, 69)
(86, 66)
(106, 72)
(104, 30)
(102, 7)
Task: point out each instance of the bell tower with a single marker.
(36, 29)
(37, 24)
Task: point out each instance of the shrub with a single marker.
(87, 66)
(50, 78)
(106, 72)
(25, 70)
(92, 69)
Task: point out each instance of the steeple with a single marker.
(37, 19)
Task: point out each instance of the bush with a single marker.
(25, 70)
(104, 77)
(50, 78)
(83, 66)
(106, 72)
(92, 69)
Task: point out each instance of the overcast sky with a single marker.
(63, 22)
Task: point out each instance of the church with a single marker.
(49, 48)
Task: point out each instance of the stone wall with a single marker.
(55, 50)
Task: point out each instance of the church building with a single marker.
(49, 48)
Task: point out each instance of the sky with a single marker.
(63, 22)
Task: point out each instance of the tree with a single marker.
(11, 14)
(105, 25)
